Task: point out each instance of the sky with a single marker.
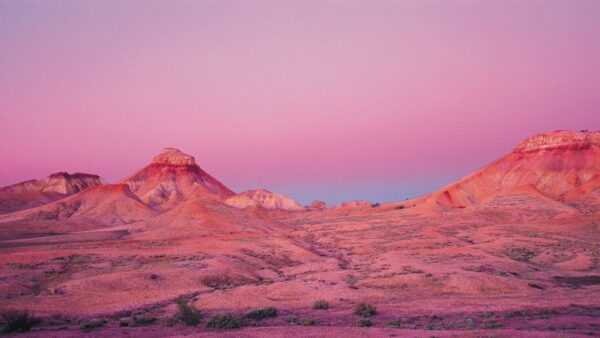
(330, 100)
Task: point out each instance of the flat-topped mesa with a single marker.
(560, 139)
(174, 157)
(65, 183)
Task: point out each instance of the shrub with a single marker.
(321, 304)
(188, 314)
(224, 281)
(398, 207)
(92, 325)
(262, 313)
(291, 319)
(144, 320)
(365, 322)
(375, 205)
(223, 321)
(365, 310)
(17, 320)
(307, 322)
(395, 323)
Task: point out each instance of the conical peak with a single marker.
(173, 156)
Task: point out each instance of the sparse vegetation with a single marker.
(399, 207)
(396, 323)
(365, 310)
(365, 322)
(92, 325)
(187, 313)
(145, 320)
(291, 319)
(351, 282)
(307, 322)
(224, 281)
(223, 321)
(17, 320)
(375, 205)
(321, 304)
(520, 254)
(262, 313)
(491, 324)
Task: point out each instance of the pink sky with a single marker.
(329, 100)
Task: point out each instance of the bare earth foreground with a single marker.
(510, 250)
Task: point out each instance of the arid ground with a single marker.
(510, 250)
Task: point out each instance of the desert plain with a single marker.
(511, 250)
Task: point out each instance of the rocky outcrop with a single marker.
(560, 139)
(317, 205)
(62, 183)
(265, 199)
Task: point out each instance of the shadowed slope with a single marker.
(111, 204)
(33, 193)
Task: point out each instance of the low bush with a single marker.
(223, 321)
(188, 314)
(291, 319)
(145, 320)
(262, 313)
(396, 323)
(307, 322)
(320, 305)
(365, 310)
(92, 325)
(17, 320)
(224, 281)
(365, 322)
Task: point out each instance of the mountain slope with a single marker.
(33, 193)
(560, 165)
(110, 204)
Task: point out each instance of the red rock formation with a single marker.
(170, 178)
(560, 165)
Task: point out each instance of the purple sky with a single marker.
(329, 100)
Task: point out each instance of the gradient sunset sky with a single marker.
(322, 99)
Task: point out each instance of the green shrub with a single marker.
(320, 305)
(365, 310)
(365, 322)
(188, 314)
(262, 313)
(92, 325)
(17, 320)
(223, 321)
